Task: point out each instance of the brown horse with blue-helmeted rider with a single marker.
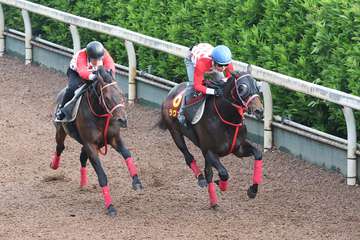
(101, 114)
(220, 130)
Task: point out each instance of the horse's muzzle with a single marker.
(123, 123)
(259, 113)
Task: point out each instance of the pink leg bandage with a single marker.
(212, 194)
(131, 166)
(223, 185)
(55, 161)
(107, 197)
(83, 177)
(257, 178)
(194, 167)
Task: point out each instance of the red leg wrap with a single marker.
(257, 178)
(131, 166)
(107, 197)
(83, 177)
(212, 194)
(194, 167)
(55, 161)
(223, 185)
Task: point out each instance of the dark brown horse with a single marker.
(101, 115)
(220, 131)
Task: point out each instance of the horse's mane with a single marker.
(107, 76)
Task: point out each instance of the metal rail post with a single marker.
(132, 70)
(2, 27)
(268, 115)
(28, 36)
(351, 147)
(75, 38)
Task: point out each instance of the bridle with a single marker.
(240, 107)
(103, 99)
(109, 113)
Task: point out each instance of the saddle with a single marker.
(71, 108)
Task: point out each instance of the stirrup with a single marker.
(182, 120)
(60, 115)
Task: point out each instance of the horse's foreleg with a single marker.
(60, 138)
(119, 146)
(247, 149)
(211, 185)
(95, 162)
(83, 170)
(223, 173)
(189, 158)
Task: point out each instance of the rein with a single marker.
(108, 115)
(237, 126)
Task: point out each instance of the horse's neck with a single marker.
(228, 111)
(94, 100)
(226, 102)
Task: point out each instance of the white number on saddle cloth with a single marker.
(202, 50)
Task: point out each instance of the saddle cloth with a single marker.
(71, 108)
(194, 104)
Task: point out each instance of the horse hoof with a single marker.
(111, 211)
(136, 184)
(54, 166)
(251, 192)
(138, 187)
(202, 182)
(55, 162)
(215, 207)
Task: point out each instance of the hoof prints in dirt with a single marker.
(56, 178)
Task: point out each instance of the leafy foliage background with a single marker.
(314, 40)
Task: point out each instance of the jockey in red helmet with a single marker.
(82, 68)
(204, 58)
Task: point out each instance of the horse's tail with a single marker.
(161, 122)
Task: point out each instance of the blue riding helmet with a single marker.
(221, 55)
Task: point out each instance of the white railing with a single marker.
(347, 101)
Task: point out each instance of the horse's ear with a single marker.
(235, 74)
(99, 76)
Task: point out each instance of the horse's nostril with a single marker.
(259, 113)
(123, 123)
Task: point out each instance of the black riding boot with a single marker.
(181, 115)
(69, 94)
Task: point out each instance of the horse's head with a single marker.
(243, 89)
(111, 97)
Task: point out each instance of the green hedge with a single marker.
(315, 40)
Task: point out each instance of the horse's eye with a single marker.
(242, 89)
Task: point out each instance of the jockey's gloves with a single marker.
(92, 76)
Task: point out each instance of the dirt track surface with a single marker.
(296, 201)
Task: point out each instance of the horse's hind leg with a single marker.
(83, 170)
(60, 138)
(119, 146)
(189, 158)
(91, 151)
(246, 150)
